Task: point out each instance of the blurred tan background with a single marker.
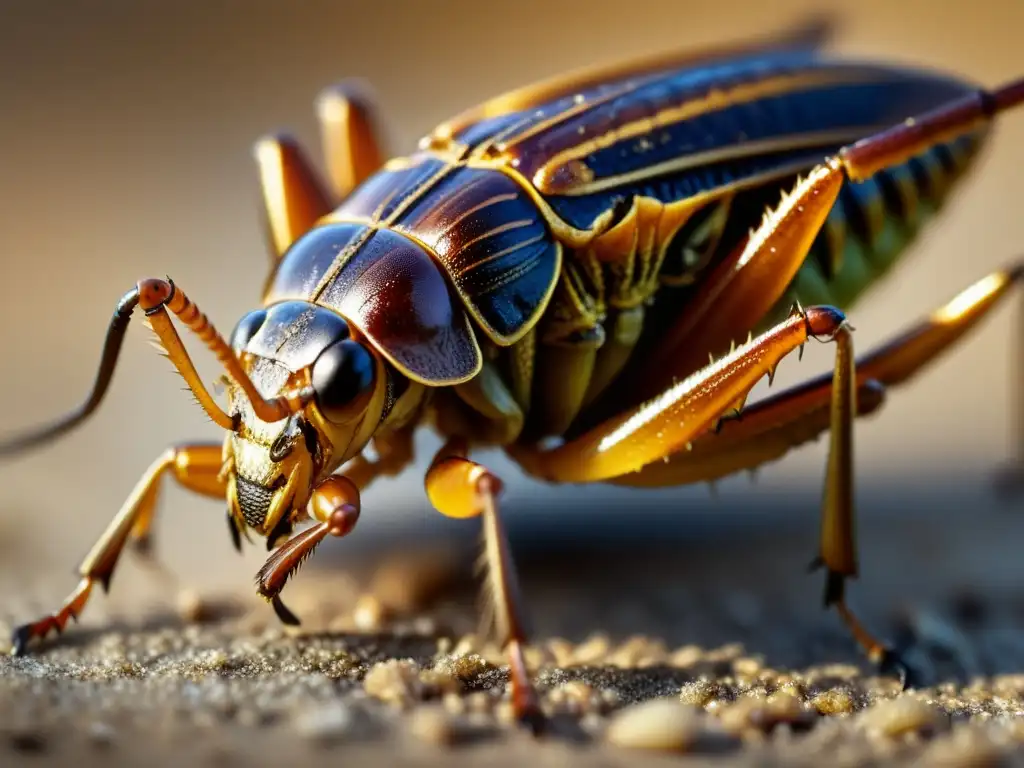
(125, 135)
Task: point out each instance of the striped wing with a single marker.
(685, 132)
(810, 35)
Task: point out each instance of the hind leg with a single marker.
(627, 445)
(680, 436)
(737, 294)
(768, 429)
(1009, 480)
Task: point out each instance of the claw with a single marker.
(532, 719)
(525, 703)
(20, 638)
(285, 615)
(24, 634)
(892, 663)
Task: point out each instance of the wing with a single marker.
(809, 35)
(689, 132)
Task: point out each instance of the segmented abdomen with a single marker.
(874, 222)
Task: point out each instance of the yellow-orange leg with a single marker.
(738, 293)
(294, 196)
(766, 430)
(335, 506)
(458, 487)
(761, 433)
(1009, 479)
(668, 424)
(352, 148)
(294, 193)
(195, 467)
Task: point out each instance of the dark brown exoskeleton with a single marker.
(559, 263)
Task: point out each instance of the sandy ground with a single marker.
(713, 625)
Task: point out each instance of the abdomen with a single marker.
(873, 223)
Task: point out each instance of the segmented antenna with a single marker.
(108, 361)
(155, 297)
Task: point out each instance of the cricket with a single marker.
(590, 273)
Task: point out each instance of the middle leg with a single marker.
(458, 487)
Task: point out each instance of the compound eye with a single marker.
(343, 380)
(247, 328)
